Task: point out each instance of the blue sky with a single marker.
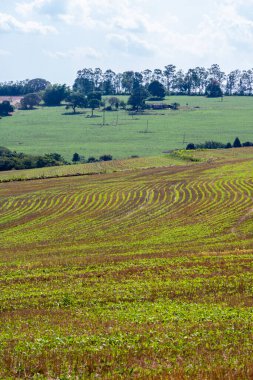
(53, 39)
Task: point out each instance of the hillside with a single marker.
(144, 273)
(53, 129)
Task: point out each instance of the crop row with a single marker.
(145, 274)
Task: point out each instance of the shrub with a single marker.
(91, 160)
(247, 143)
(105, 157)
(6, 108)
(76, 157)
(211, 145)
(175, 106)
(237, 143)
(29, 101)
(122, 104)
(190, 146)
(114, 102)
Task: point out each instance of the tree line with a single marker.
(176, 82)
(20, 88)
(194, 81)
(218, 145)
(12, 160)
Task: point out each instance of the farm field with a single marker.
(48, 130)
(169, 159)
(137, 274)
(101, 167)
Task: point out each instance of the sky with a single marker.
(53, 39)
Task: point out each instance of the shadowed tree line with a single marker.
(10, 160)
(195, 81)
(24, 87)
(175, 81)
(218, 145)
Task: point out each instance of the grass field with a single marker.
(138, 274)
(48, 130)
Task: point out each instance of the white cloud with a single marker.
(216, 37)
(130, 44)
(76, 53)
(9, 23)
(49, 7)
(132, 24)
(106, 14)
(129, 33)
(28, 7)
(235, 25)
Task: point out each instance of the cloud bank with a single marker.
(131, 34)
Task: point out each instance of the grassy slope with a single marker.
(47, 130)
(144, 274)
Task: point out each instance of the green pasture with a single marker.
(47, 130)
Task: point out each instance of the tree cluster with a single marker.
(218, 145)
(12, 160)
(75, 100)
(55, 94)
(80, 159)
(24, 87)
(6, 108)
(29, 101)
(194, 81)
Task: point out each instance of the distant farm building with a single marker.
(160, 106)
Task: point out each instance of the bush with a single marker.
(5, 151)
(91, 160)
(105, 157)
(108, 108)
(122, 104)
(6, 108)
(76, 157)
(29, 101)
(13, 160)
(247, 143)
(237, 143)
(211, 145)
(190, 146)
(218, 145)
(114, 102)
(175, 106)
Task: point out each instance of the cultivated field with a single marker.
(101, 167)
(48, 130)
(143, 274)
